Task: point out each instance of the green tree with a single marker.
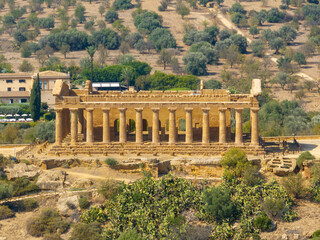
(257, 47)
(254, 31)
(299, 58)
(91, 51)
(35, 100)
(287, 33)
(196, 63)
(122, 4)
(111, 16)
(164, 58)
(281, 78)
(26, 66)
(184, 11)
(276, 44)
(127, 74)
(82, 231)
(79, 13)
(65, 48)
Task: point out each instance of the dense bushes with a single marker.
(122, 4)
(146, 21)
(107, 37)
(75, 39)
(263, 222)
(162, 38)
(83, 231)
(162, 81)
(46, 22)
(111, 16)
(49, 221)
(234, 162)
(219, 206)
(303, 157)
(45, 131)
(5, 212)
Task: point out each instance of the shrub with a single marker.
(83, 231)
(303, 157)
(294, 185)
(251, 176)
(46, 22)
(107, 38)
(111, 16)
(53, 236)
(22, 186)
(95, 214)
(275, 16)
(29, 204)
(218, 205)
(48, 222)
(111, 162)
(109, 189)
(195, 36)
(207, 50)
(5, 191)
(234, 162)
(263, 222)
(212, 84)
(130, 235)
(45, 131)
(5, 212)
(162, 38)
(275, 206)
(84, 203)
(316, 234)
(122, 4)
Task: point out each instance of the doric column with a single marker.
(59, 130)
(189, 130)
(155, 125)
(254, 126)
(80, 121)
(106, 125)
(90, 135)
(74, 125)
(172, 126)
(123, 126)
(205, 126)
(222, 125)
(238, 136)
(139, 125)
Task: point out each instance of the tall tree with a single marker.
(35, 100)
(91, 51)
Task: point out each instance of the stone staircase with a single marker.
(148, 148)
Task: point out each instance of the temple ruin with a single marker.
(153, 122)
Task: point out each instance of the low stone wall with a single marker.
(289, 138)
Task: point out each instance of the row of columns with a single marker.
(79, 125)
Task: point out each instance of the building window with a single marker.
(9, 81)
(23, 100)
(40, 83)
(11, 100)
(45, 87)
(22, 80)
(22, 89)
(9, 89)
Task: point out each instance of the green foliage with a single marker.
(287, 33)
(196, 63)
(276, 44)
(75, 39)
(107, 37)
(29, 204)
(122, 4)
(151, 206)
(162, 38)
(240, 41)
(275, 16)
(207, 50)
(237, 8)
(251, 176)
(95, 214)
(303, 157)
(46, 22)
(195, 36)
(146, 21)
(84, 203)
(263, 222)
(79, 13)
(45, 131)
(22, 186)
(82, 231)
(275, 207)
(258, 47)
(130, 234)
(234, 163)
(109, 189)
(49, 221)
(294, 185)
(213, 32)
(315, 183)
(219, 206)
(35, 100)
(316, 234)
(111, 162)
(312, 12)
(299, 58)
(54, 236)
(5, 212)
(111, 16)
(212, 84)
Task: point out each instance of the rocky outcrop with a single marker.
(82, 183)
(22, 170)
(68, 206)
(51, 180)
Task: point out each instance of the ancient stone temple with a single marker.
(153, 122)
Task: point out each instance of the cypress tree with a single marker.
(35, 100)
